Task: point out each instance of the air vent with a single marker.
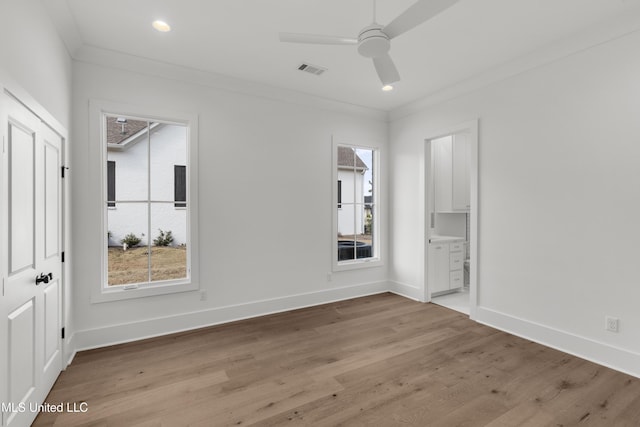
(313, 69)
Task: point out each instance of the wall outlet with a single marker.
(329, 277)
(612, 323)
(203, 295)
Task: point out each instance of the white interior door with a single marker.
(30, 307)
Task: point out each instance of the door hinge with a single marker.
(62, 333)
(62, 169)
(62, 256)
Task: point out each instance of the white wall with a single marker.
(559, 158)
(265, 238)
(36, 67)
(33, 55)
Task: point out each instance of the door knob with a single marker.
(44, 278)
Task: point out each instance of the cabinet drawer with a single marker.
(456, 261)
(456, 247)
(456, 279)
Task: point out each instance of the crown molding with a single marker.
(122, 61)
(556, 51)
(65, 24)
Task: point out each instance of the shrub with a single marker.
(163, 239)
(131, 240)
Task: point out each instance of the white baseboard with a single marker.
(118, 334)
(597, 352)
(406, 291)
(603, 354)
(69, 350)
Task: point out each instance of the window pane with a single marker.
(346, 158)
(346, 237)
(128, 260)
(169, 240)
(146, 201)
(365, 168)
(168, 149)
(365, 240)
(127, 146)
(355, 208)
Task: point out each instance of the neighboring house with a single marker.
(368, 212)
(351, 198)
(127, 181)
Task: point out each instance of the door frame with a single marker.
(9, 89)
(471, 127)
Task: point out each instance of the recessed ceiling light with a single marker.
(387, 88)
(161, 26)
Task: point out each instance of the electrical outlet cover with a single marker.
(612, 324)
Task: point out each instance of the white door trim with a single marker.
(472, 128)
(9, 90)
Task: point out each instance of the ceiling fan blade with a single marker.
(386, 69)
(419, 12)
(316, 39)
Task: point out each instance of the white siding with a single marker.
(348, 224)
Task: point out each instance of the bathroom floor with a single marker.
(458, 301)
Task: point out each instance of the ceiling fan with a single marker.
(374, 41)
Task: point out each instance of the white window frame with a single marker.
(376, 260)
(98, 111)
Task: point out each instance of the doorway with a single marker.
(451, 207)
(31, 302)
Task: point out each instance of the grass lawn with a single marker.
(132, 265)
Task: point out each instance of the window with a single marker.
(148, 245)
(111, 183)
(180, 186)
(356, 198)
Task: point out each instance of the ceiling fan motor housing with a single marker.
(372, 42)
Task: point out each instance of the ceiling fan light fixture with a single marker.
(161, 26)
(372, 42)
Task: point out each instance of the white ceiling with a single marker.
(239, 38)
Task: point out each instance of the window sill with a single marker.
(355, 265)
(118, 293)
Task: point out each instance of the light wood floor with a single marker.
(381, 361)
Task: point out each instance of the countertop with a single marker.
(445, 239)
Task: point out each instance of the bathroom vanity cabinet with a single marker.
(446, 264)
